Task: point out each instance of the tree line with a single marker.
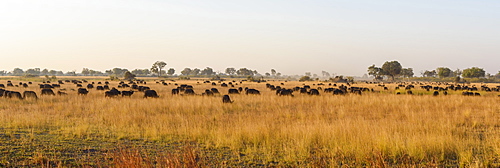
(393, 69)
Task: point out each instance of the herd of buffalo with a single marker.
(128, 88)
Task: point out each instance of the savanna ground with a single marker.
(371, 130)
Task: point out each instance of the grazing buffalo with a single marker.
(436, 93)
(253, 91)
(284, 92)
(339, 92)
(233, 91)
(189, 92)
(106, 87)
(175, 91)
(30, 94)
(112, 93)
(127, 93)
(48, 91)
(100, 88)
(90, 86)
(208, 93)
(150, 93)
(223, 85)
(14, 94)
(226, 99)
(409, 92)
(215, 90)
(313, 92)
(82, 91)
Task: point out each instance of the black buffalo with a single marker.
(226, 99)
(253, 91)
(14, 94)
(30, 94)
(189, 92)
(82, 91)
(150, 93)
(233, 91)
(100, 88)
(112, 93)
(215, 90)
(284, 92)
(48, 91)
(208, 93)
(127, 93)
(175, 91)
(313, 92)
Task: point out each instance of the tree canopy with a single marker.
(473, 72)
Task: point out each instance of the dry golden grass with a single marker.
(374, 129)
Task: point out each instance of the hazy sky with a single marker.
(293, 37)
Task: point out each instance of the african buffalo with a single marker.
(127, 93)
(100, 88)
(285, 92)
(82, 91)
(313, 92)
(208, 93)
(30, 94)
(112, 93)
(175, 91)
(233, 91)
(48, 91)
(150, 93)
(253, 91)
(226, 99)
(215, 90)
(14, 94)
(189, 92)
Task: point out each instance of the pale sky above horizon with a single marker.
(338, 36)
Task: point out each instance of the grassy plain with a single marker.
(372, 130)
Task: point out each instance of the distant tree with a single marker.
(457, 72)
(44, 72)
(33, 72)
(186, 71)
(407, 72)
(128, 76)
(308, 73)
(207, 71)
(245, 72)
(3, 73)
(392, 69)
(428, 73)
(17, 72)
(376, 72)
(85, 71)
(443, 72)
(195, 72)
(230, 71)
(171, 71)
(457, 79)
(71, 73)
(273, 72)
(305, 78)
(473, 72)
(278, 74)
(497, 76)
(157, 67)
(53, 72)
(325, 74)
(141, 72)
(267, 74)
(59, 73)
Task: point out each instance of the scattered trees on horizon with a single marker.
(390, 70)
